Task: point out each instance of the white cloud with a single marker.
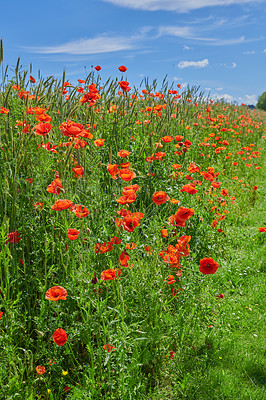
(264, 51)
(250, 99)
(187, 47)
(99, 44)
(249, 52)
(187, 32)
(226, 97)
(233, 65)
(196, 64)
(219, 88)
(175, 5)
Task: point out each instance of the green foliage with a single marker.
(261, 104)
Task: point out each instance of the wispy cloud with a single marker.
(176, 5)
(249, 52)
(96, 45)
(187, 32)
(233, 65)
(195, 64)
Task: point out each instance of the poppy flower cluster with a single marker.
(130, 219)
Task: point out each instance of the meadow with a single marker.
(132, 241)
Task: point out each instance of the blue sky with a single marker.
(219, 45)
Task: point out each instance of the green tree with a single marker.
(261, 104)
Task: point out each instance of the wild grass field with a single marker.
(132, 241)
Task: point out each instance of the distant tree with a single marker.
(261, 104)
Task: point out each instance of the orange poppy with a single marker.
(164, 233)
(126, 175)
(216, 184)
(60, 337)
(189, 189)
(79, 170)
(40, 370)
(55, 186)
(113, 170)
(125, 164)
(171, 279)
(167, 139)
(4, 110)
(56, 293)
(208, 266)
(160, 198)
(42, 129)
(79, 211)
(110, 274)
(128, 198)
(72, 234)
(60, 205)
(123, 153)
(128, 189)
(131, 221)
(99, 142)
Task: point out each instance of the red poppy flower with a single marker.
(79, 211)
(79, 170)
(40, 370)
(160, 198)
(74, 129)
(109, 347)
(1, 314)
(60, 205)
(42, 129)
(60, 337)
(171, 279)
(122, 68)
(208, 266)
(72, 234)
(128, 198)
(189, 189)
(124, 86)
(216, 184)
(167, 139)
(13, 237)
(98, 68)
(55, 186)
(131, 221)
(56, 293)
(262, 229)
(221, 296)
(81, 81)
(181, 216)
(4, 110)
(32, 79)
(110, 274)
